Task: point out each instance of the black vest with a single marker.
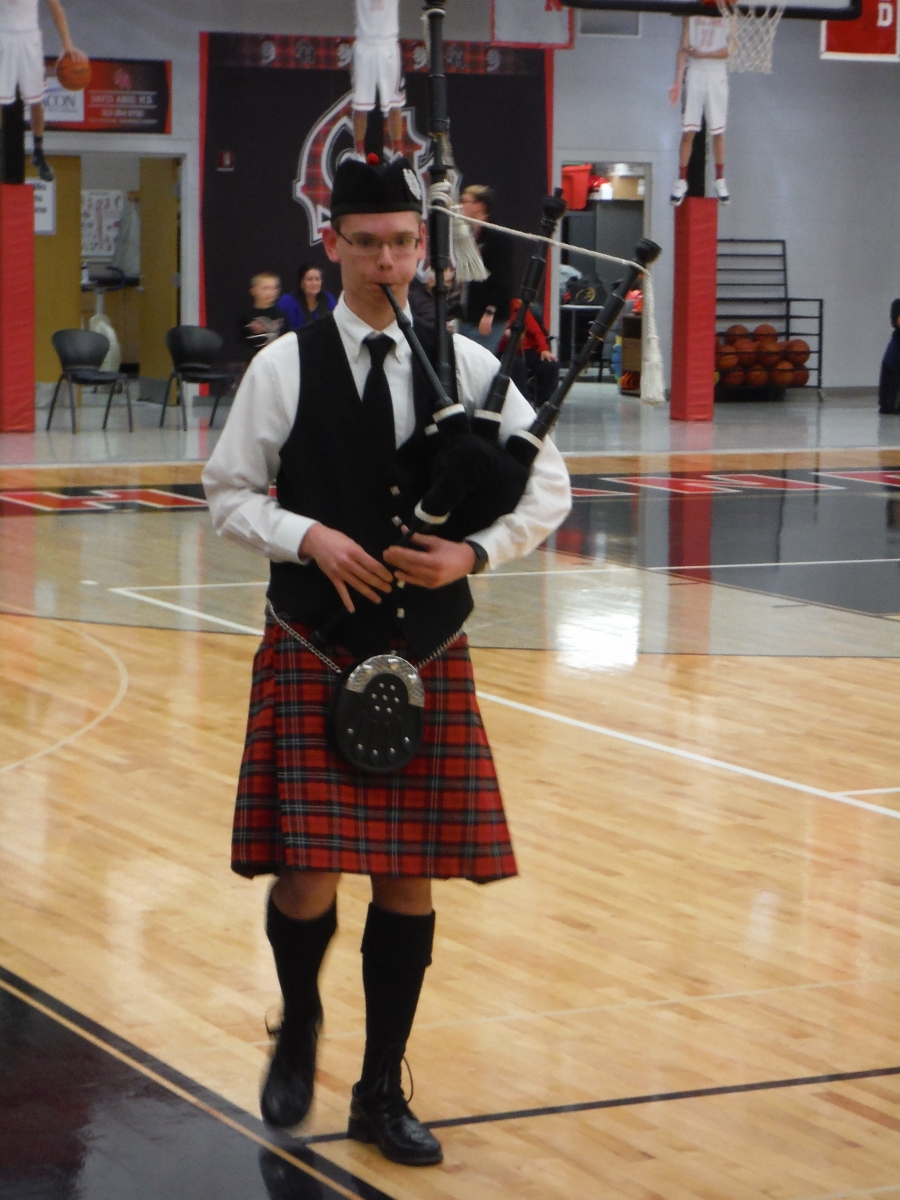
(327, 472)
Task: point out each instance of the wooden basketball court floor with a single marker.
(691, 989)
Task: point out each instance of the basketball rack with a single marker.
(751, 288)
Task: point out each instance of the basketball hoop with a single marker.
(751, 35)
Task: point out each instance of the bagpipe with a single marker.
(475, 479)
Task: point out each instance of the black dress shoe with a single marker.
(288, 1090)
(382, 1116)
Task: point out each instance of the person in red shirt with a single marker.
(534, 358)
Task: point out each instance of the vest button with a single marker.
(398, 521)
(395, 491)
(401, 613)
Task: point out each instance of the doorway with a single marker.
(111, 263)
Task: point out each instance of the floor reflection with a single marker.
(78, 1122)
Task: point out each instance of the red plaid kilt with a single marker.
(302, 806)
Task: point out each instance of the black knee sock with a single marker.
(38, 145)
(299, 947)
(396, 950)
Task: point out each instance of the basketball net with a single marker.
(751, 35)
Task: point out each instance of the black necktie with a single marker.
(378, 410)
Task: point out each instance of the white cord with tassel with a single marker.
(463, 249)
(653, 385)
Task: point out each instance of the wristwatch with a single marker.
(481, 557)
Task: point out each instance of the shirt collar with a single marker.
(354, 332)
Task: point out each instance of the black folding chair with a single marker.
(80, 352)
(194, 351)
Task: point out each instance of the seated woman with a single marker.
(309, 302)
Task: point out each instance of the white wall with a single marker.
(813, 149)
(813, 156)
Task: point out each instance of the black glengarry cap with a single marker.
(375, 187)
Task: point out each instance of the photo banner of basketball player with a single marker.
(545, 23)
(279, 120)
(875, 37)
(125, 95)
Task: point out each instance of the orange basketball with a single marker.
(733, 332)
(783, 374)
(769, 353)
(73, 75)
(733, 378)
(763, 333)
(801, 377)
(726, 359)
(745, 349)
(757, 377)
(797, 351)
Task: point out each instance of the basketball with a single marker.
(745, 349)
(769, 353)
(73, 75)
(763, 333)
(733, 378)
(801, 377)
(797, 351)
(783, 374)
(726, 359)
(757, 377)
(733, 332)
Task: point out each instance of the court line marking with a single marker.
(688, 755)
(604, 731)
(131, 594)
(121, 692)
(182, 1093)
(871, 792)
(632, 1004)
(812, 562)
(872, 1191)
(554, 1110)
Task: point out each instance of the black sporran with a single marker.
(378, 717)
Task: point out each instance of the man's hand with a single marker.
(433, 563)
(548, 356)
(74, 53)
(346, 564)
(674, 94)
(486, 324)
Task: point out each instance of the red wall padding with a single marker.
(694, 310)
(16, 308)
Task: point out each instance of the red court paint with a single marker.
(677, 484)
(694, 310)
(16, 308)
(886, 478)
(777, 483)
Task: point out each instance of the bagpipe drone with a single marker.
(475, 480)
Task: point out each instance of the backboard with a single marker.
(810, 10)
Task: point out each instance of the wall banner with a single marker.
(279, 120)
(124, 96)
(873, 37)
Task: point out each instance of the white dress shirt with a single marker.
(247, 457)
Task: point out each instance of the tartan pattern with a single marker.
(300, 805)
(299, 52)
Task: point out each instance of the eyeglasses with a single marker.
(368, 244)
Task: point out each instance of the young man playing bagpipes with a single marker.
(338, 418)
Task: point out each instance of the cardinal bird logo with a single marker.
(328, 143)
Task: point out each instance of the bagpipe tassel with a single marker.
(464, 251)
(653, 384)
